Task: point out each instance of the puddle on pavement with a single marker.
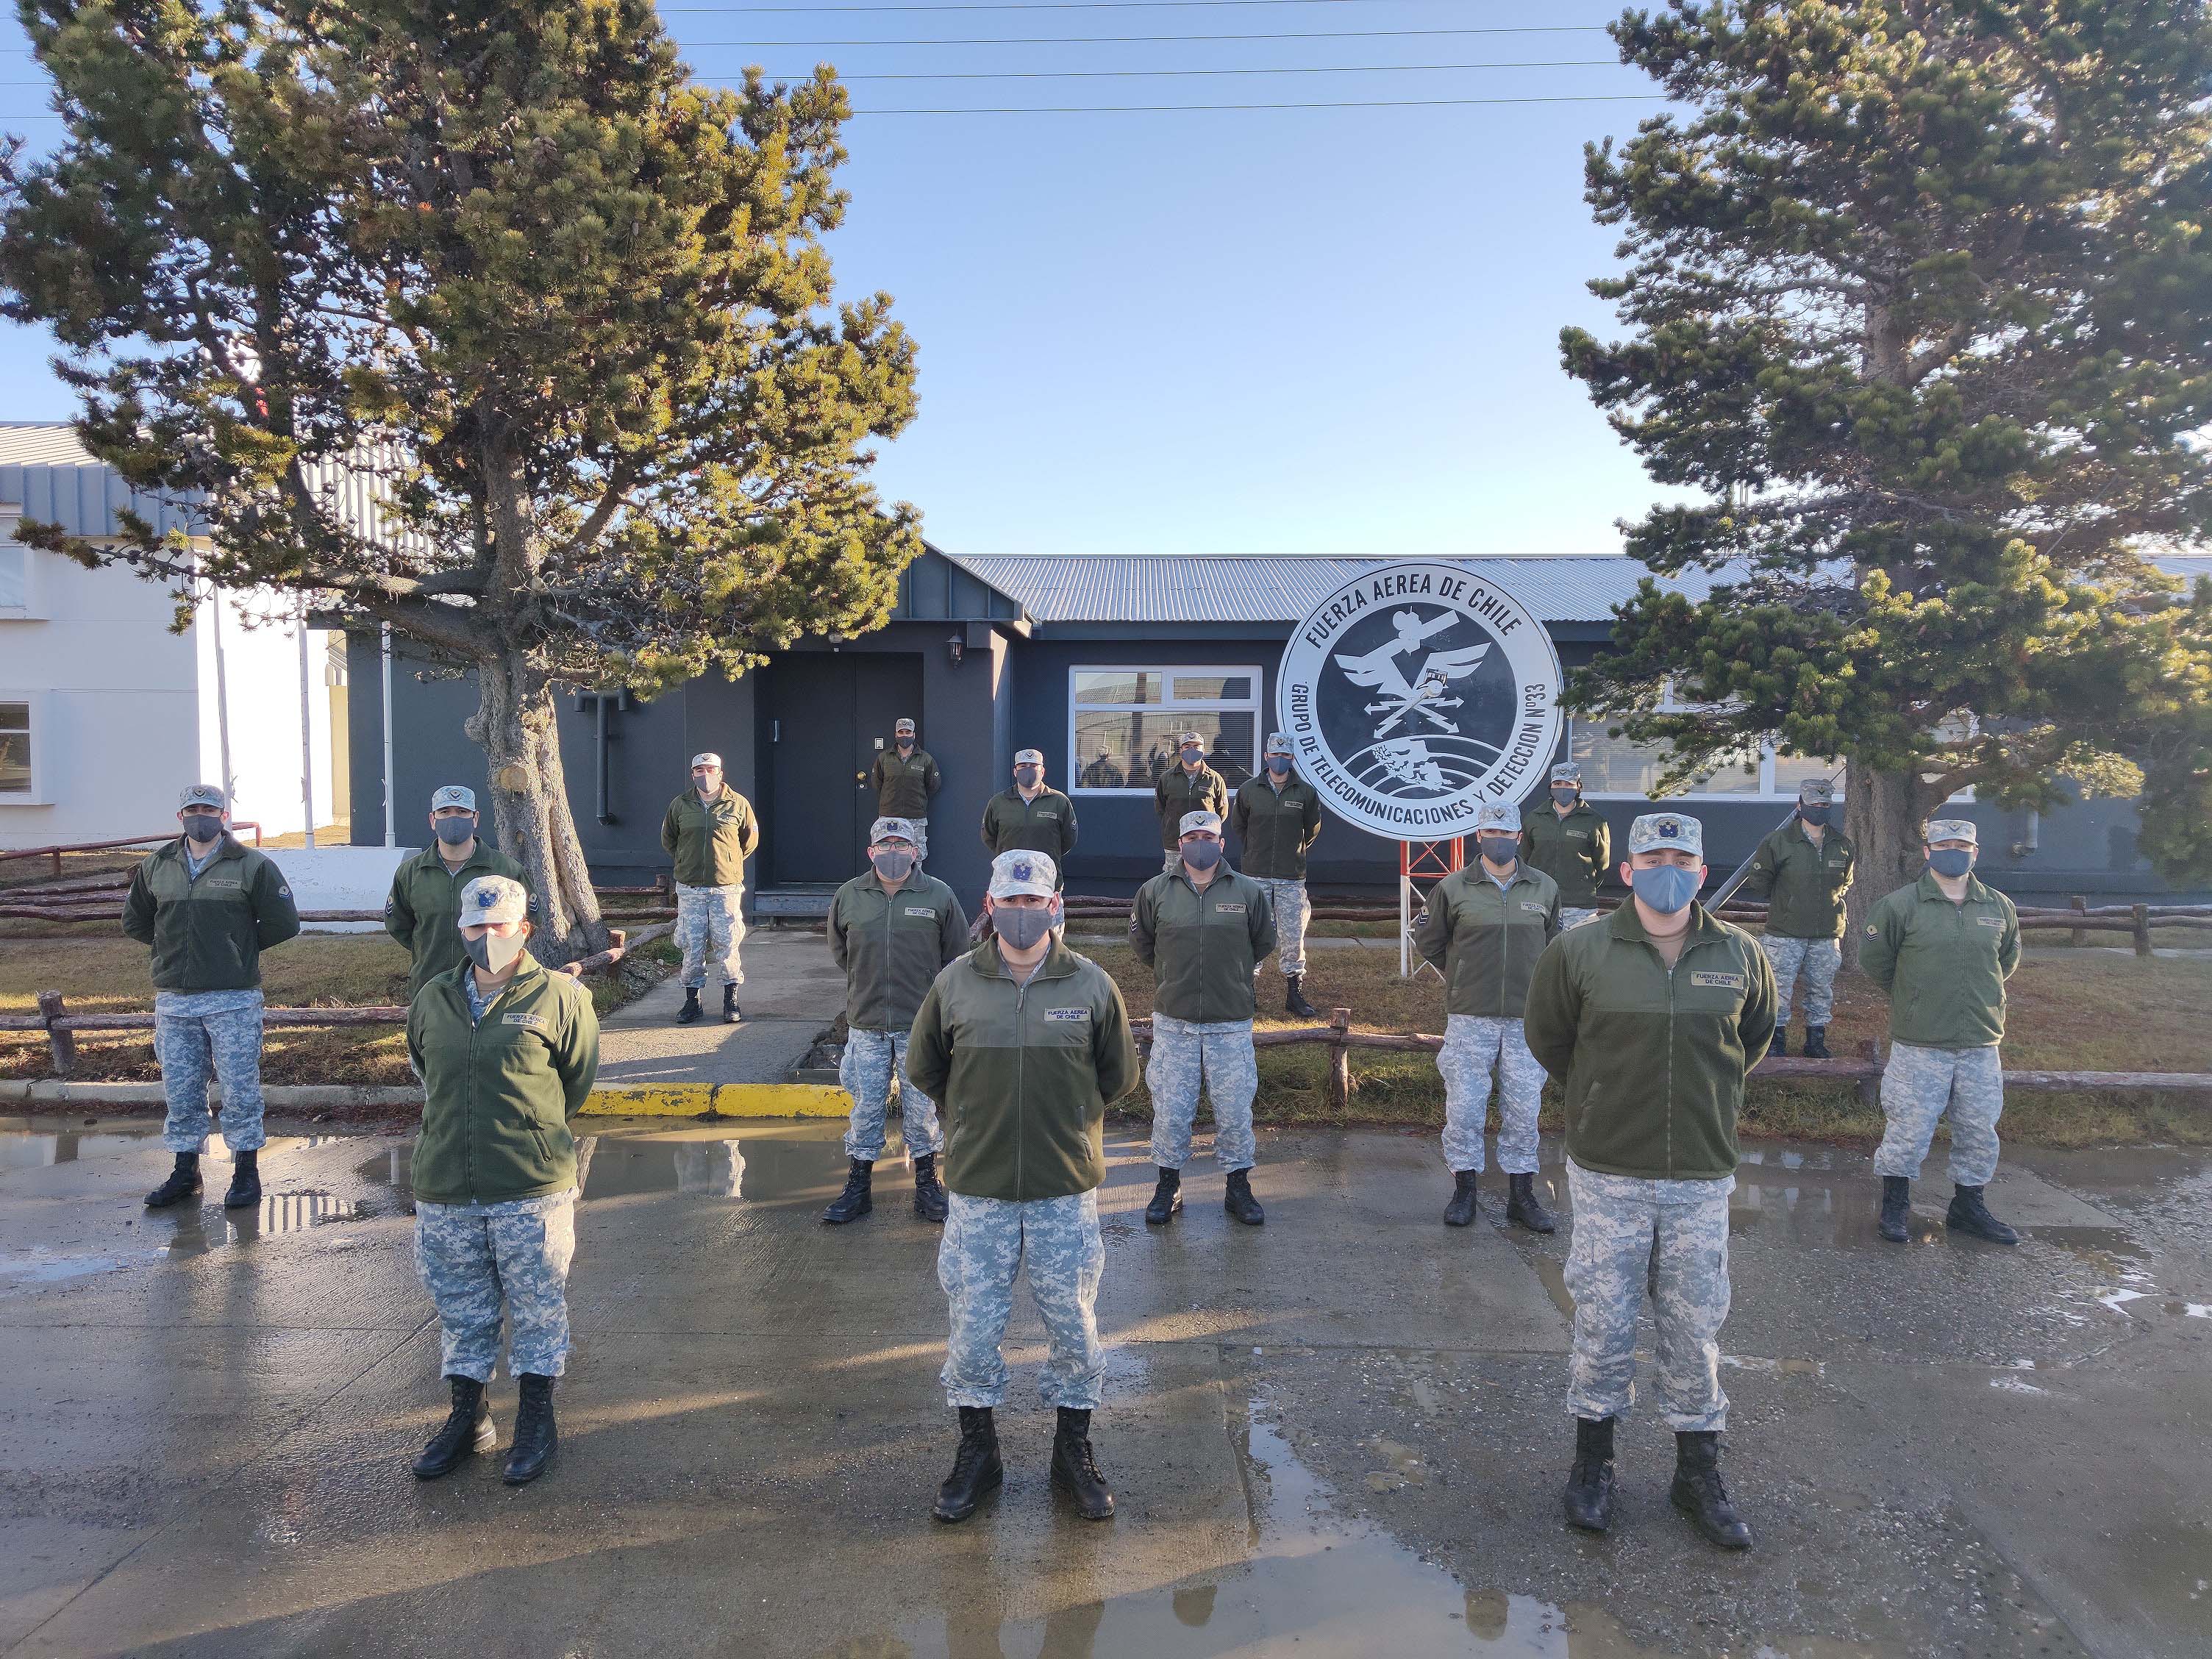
(757, 1168)
(27, 1149)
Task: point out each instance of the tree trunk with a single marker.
(514, 724)
(1883, 812)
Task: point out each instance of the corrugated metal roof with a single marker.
(42, 443)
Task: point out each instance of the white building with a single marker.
(106, 712)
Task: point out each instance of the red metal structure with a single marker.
(1421, 865)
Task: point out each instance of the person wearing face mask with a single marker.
(906, 776)
(1189, 786)
(425, 891)
(1024, 1044)
(1032, 817)
(1570, 843)
(507, 1053)
(1942, 949)
(1482, 930)
(1650, 1019)
(709, 831)
(1277, 818)
(1202, 930)
(208, 907)
(891, 931)
(1804, 870)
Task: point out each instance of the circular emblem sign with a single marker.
(1416, 693)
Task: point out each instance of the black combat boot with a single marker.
(1294, 1000)
(1896, 1207)
(1167, 1199)
(1075, 1471)
(467, 1429)
(245, 1181)
(1778, 1044)
(1590, 1484)
(1699, 1492)
(975, 1467)
(1816, 1043)
(857, 1200)
(1460, 1210)
(928, 1190)
(1236, 1199)
(732, 1014)
(535, 1436)
(183, 1183)
(1522, 1204)
(1969, 1214)
(689, 1011)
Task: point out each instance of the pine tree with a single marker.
(482, 320)
(1920, 295)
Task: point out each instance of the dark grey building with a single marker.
(1100, 662)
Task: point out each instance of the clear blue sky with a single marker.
(1293, 330)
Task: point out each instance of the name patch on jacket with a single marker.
(1538, 909)
(1228, 909)
(1705, 978)
(224, 881)
(1068, 1013)
(530, 1022)
(1991, 921)
(921, 910)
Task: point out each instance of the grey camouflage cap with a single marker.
(1657, 831)
(1023, 872)
(202, 794)
(1951, 829)
(491, 899)
(1817, 791)
(1567, 772)
(454, 794)
(1277, 745)
(1500, 815)
(891, 829)
(898, 727)
(1029, 757)
(1194, 822)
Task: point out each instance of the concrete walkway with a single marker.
(793, 992)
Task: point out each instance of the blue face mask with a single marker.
(1192, 756)
(1953, 862)
(1201, 855)
(454, 831)
(1279, 765)
(1500, 850)
(1667, 888)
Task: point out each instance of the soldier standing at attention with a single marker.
(1024, 1044)
(1942, 949)
(1649, 1020)
(1031, 816)
(1277, 817)
(423, 907)
(710, 831)
(1190, 786)
(906, 777)
(1202, 931)
(208, 907)
(1804, 870)
(1485, 926)
(1570, 843)
(507, 1053)
(892, 931)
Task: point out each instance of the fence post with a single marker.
(2143, 929)
(1339, 1062)
(2076, 937)
(1870, 1087)
(63, 1043)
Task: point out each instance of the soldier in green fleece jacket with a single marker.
(1650, 1019)
(1023, 1044)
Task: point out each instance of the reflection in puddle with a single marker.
(208, 1227)
(21, 1150)
(759, 1168)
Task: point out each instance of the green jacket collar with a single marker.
(1223, 874)
(1524, 875)
(1931, 894)
(229, 848)
(1059, 961)
(530, 968)
(1627, 925)
(478, 858)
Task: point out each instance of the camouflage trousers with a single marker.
(1472, 1046)
(710, 926)
(478, 1261)
(1917, 1086)
(1293, 910)
(1573, 916)
(1820, 958)
(986, 1240)
(197, 1032)
(920, 838)
(871, 1060)
(1219, 1055)
(1672, 1237)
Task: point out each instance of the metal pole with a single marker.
(390, 836)
(222, 707)
(307, 736)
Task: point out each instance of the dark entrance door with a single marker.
(829, 710)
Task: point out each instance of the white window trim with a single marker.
(30, 610)
(1250, 705)
(40, 794)
(1765, 792)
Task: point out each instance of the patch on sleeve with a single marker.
(1068, 1013)
(922, 910)
(1705, 978)
(1230, 907)
(1991, 921)
(530, 1021)
(1874, 929)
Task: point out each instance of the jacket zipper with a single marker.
(1021, 1056)
(1670, 1058)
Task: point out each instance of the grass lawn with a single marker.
(2069, 1011)
(106, 974)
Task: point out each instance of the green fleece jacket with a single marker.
(208, 932)
(1179, 792)
(1023, 1073)
(1803, 884)
(1944, 965)
(424, 908)
(1575, 851)
(498, 1096)
(1276, 827)
(893, 945)
(1652, 1059)
(904, 783)
(1045, 825)
(1202, 943)
(710, 841)
(1485, 941)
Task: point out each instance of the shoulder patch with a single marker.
(1874, 929)
(530, 1021)
(1719, 981)
(1067, 1014)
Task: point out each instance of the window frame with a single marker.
(36, 704)
(29, 611)
(1169, 670)
(1765, 793)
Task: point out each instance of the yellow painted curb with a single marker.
(720, 1100)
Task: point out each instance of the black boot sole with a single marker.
(935, 1217)
(1581, 1523)
(236, 1199)
(991, 1482)
(1174, 1210)
(1085, 1510)
(1973, 1231)
(828, 1220)
(512, 1477)
(683, 1018)
(1711, 1534)
(1521, 1218)
(1899, 1236)
(155, 1201)
(486, 1439)
(1466, 1220)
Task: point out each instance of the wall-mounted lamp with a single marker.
(959, 647)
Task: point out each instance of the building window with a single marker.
(15, 580)
(1616, 768)
(16, 779)
(1124, 724)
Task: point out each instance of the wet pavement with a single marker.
(1340, 1434)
